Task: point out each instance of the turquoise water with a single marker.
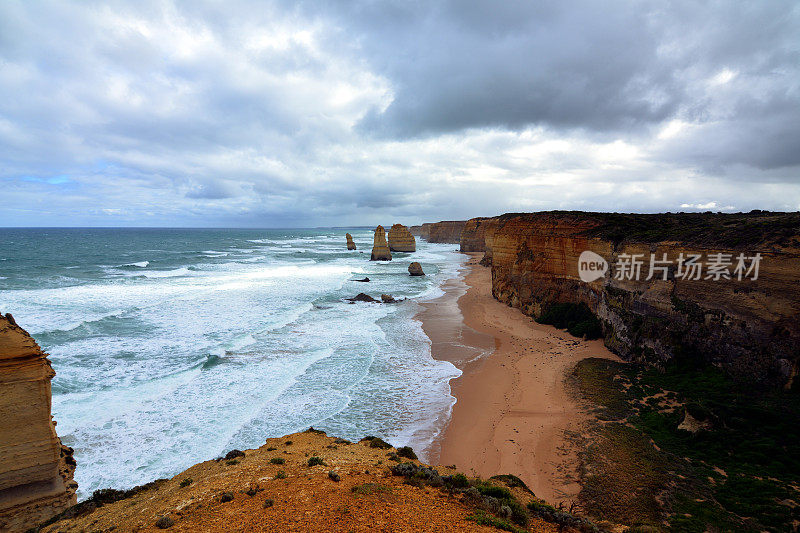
(172, 346)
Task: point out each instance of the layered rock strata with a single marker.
(380, 248)
(350, 244)
(748, 326)
(401, 240)
(36, 471)
(421, 230)
(478, 236)
(447, 231)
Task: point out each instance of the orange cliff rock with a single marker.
(350, 244)
(422, 230)
(401, 240)
(478, 236)
(748, 327)
(35, 469)
(380, 248)
(447, 231)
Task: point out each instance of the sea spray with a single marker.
(173, 346)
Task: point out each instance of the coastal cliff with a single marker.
(35, 469)
(446, 231)
(478, 235)
(422, 230)
(747, 326)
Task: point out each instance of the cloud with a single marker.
(279, 113)
(709, 205)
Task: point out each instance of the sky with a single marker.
(303, 114)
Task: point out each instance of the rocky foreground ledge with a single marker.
(309, 481)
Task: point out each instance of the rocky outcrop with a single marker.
(350, 244)
(35, 469)
(478, 235)
(401, 240)
(447, 231)
(415, 269)
(342, 490)
(380, 248)
(750, 327)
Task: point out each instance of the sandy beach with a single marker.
(512, 408)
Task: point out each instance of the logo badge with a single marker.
(591, 266)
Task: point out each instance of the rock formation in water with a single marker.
(401, 240)
(415, 269)
(35, 469)
(750, 327)
(380, 248)
(447, 231)
(350, 244)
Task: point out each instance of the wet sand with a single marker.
(512, 408)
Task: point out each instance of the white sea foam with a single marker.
(160, 369)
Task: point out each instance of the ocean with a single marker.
(173, 346)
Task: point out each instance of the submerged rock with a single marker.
(415, 269)
(365, 280)
(388, 299)
(350, 244)
(380, 248)
(401, 240)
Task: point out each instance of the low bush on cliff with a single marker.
(575, 318)
(710, 229)
(739, 471)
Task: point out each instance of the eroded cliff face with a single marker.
(447, 231)
(478, 235)
(421, 231)
(751, 327)
(401, 240)
(35, 469)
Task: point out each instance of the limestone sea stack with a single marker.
(380, 248)
(401, 240)
(350, 244)
(35, 469)
(415, 269)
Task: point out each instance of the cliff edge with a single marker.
(35, 469)
(721, 288)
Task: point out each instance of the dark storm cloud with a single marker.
(262, 113)
(600, 67)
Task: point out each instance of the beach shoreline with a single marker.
(513, 412)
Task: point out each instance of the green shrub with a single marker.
(377, 442)
(406, 452)
(314, 461)
(577, 319)
(280, 475)
(484, 519)
(186, 482)
(277, 460)
(458, 481)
